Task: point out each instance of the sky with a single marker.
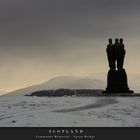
(42, 39)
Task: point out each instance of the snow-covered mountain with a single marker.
(70, 82)
(66, 82)
(2, 92)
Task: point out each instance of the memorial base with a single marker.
(117, 82)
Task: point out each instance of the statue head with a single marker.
(110, 41)
(121, 40)
(116, 40)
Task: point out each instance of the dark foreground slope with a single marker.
(66, 92)
(77, 92)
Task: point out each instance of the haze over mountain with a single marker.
(2, 92)
(48, 38)
(66, 82)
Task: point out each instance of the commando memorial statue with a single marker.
(117, 77)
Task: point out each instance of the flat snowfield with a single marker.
(23, 111)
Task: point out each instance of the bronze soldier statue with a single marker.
(121, 55)
(115, 54)
(116, 77)
(110, 55)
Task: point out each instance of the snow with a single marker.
(23, 111)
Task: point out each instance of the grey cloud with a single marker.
(66, 32)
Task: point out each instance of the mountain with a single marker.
(65, 82)
(2, 92)
(71, 82)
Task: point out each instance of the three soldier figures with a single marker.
(117, 77)
(115, 53)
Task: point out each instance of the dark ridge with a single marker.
(66, 92)
(79, 92)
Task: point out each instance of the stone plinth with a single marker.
(117, 82)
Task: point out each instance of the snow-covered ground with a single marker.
(22, 111)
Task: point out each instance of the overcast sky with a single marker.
(41, 39)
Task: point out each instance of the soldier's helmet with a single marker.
(110, 40)
(116, 40)
(121, 40)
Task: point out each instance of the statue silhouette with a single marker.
(115, 54)
(111, 55)
(117, 51)
(121, 55)
(116, 78)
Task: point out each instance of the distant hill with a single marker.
(2, 92)
(62, 82)
(69, 82)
